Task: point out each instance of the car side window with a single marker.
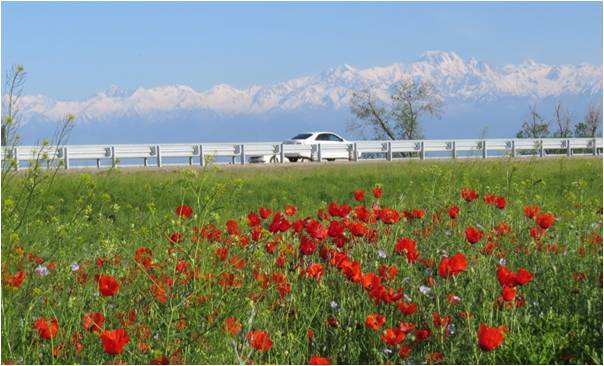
(323, 137)
(335, 138)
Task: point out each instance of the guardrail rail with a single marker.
(123, 155)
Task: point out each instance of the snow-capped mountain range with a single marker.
(480, 100)
(455, 78)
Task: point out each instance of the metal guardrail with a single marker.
(188, 154)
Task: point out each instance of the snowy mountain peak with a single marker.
(115, 91)
(441, 57)
(456, 79)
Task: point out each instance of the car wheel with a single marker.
(293, 160)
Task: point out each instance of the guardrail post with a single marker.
(113, 157)
(145, 161)
(389, 151)
(319, 153)
(422, 151)
(242, 147)
(158, 152)
(281, 154)
(355, 152)
(514, 148)
(65, 157)
(595, 147)
(202, 159)
(16, 157)
(484, 149)
(454, 150)
(541, 150)
(98, 163)
(569, 150)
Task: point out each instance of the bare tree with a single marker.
(563, 120)
(409, 100)
(534, 126)
(591, 124)
(366, 107)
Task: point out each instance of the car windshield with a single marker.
(302, 136)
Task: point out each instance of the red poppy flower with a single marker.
(407, 308)
(500, 203)
(315, 270)
(489, 198)
(108, 286)
(473, 235)
(452, 266)
(359, 195)
(505, 276)
(253, 219)
(531, 211)
(389, 215)
(453, 299)
(290, 210)
(407, 246)
(316, 230)
(114, 340)
(232, 227)
(388, 272)
(377, 191)
(182, 265)
(47, 329)
(405, 351)
(375, 321)
(318, 360)
(545, 220)
(439, 320)
(15, 280)
(93, 321)
(469, 194)
(176, 237)
(418, 213)
(307, 246)
(490, 338)
(454, 212)
(352, 270)
(232, 325)
(523, 277)
(336, 229)
(284, 289)
(392, 336)
(422, 334)
(341, 211)
(265, 212)
(259, 340)
(358, 229)
(508, 293)
(184, 211)
(406, 327)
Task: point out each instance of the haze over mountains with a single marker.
(479, 100)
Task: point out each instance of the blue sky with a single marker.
(72, 50)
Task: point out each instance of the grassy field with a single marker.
(184, 286)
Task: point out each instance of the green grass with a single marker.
(83, 216)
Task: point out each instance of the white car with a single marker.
(333, 147)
